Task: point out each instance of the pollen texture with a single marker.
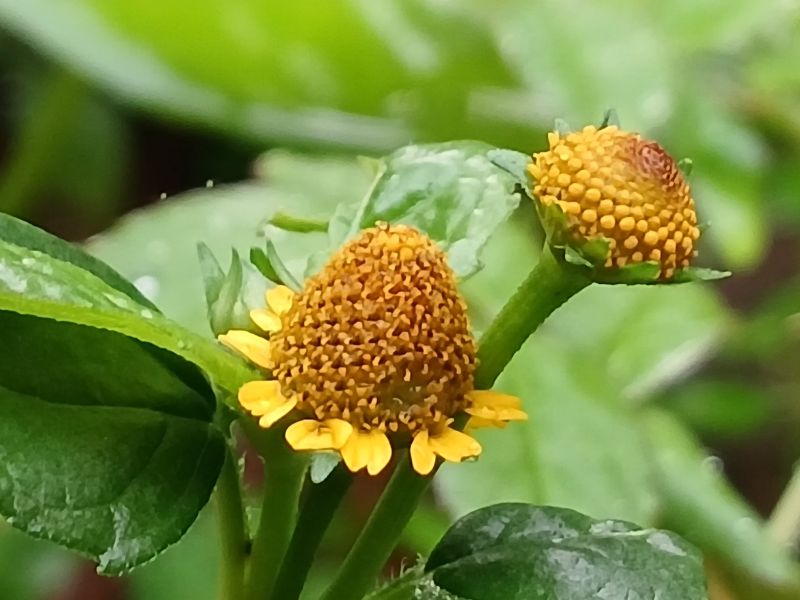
(615, 184)
(379, 337)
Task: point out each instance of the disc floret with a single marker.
(375, 352)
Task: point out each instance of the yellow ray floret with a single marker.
(264, 399)
(370, 449)
(279, 299)
(450, 444)
(330, 434)
(492, 409)
(254, 348)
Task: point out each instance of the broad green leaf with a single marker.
(721, 408)
(36, 284)
(155, 247)
(698, 503)
(352, 74)
(109, 453)
(523, 552)
(452, 192)
(27, 236)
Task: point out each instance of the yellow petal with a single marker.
(423, 458)
(270, 417)
(494, 399)
(492, 406)
(330, 434)
(497, 414)
(279, 299)
(454, 445)
(266, 320)
(256, 349)
(370, 449)
(264, 399)
(355, 452)
(478, 423)
(380, 452)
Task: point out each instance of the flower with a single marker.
(375, 352)
(616, 185)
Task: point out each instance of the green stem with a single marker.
(784, 522)
(548, 286)
(288, 222)
(41, 132)
(232, 534)
(315, 516)
(284, 474)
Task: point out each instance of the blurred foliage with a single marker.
(715, 81)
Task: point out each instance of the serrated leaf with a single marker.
(451, 191)
(514, 163)
(518, 551)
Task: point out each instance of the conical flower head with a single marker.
(375, 351)
(616, 185)
(380, 336)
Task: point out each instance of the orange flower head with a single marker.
(375, 350)
(627, 189)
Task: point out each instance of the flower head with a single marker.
(374, 352)
(616, 185)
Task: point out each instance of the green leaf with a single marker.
(518, 551)
(699, 274)
(631, 274)
(36, 284)
(110, 454)
(27, 236)
(698, 503)
(452, 192)
(514, 163)
(344, 75)
(322, 464)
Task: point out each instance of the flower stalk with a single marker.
(315, 515)
(284, 474)
(232, 533)
(549, 285)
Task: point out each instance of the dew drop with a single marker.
(713, 464)
(148, 285)
(209, 183)
(146, 313)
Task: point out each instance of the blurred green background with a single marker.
(677, 406)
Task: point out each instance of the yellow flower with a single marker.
(374, 353)
(622, 187)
